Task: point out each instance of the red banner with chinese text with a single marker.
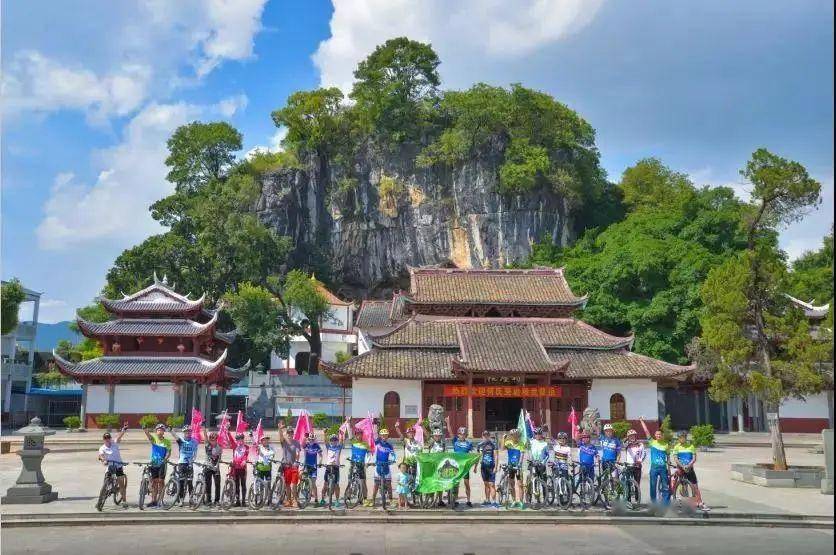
(524, 391)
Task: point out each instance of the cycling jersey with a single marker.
(160, 447)
(658, 452)
(312, 451)
(359, 450)
(610, 447)
(438, 446)
(332, 453)
(635, 453)
(265, 458)
(562, 453)
(384, 452)
(488, 450)
(411, 448)
(587, 454)
(188, 450)
(239, 456)
(539, 450)
(514, 452)
(462, 446)
(684, 453)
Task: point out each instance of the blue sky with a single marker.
(91, 90)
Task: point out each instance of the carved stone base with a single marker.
(29, 495)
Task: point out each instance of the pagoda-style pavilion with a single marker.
(162, 355)
(485, 343)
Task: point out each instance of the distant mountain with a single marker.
(50, 334)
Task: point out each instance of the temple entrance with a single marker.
(502, 413)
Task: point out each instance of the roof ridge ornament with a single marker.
(156, 279)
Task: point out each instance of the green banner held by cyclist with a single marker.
(442, 471)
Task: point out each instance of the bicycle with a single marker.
(563, 485)
(630, 490)
(307, 485)
(257, 495)
(608, 484)
(681, 487)
(331, 482)
(172, 493)
(199, 488)
(110, 486)
(414, 498)
(354, 490)
(535, 484)
(503, 493)
(385, 486)
(229, 493)
(144, 483)
(279, 490)
(583, 486)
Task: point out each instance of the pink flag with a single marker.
(366, 429)
(344, 431)
(224, 437)
(419, 431)
(259, 433)
(241, 425)
(573, 422)
(303, 426)
(197, 421)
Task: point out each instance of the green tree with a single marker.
(200, 153)
(643, 273)
(391, 85)
(11, 295)
(303, 294)
(259, 318)
(812, 274)
(651, 184)
(314, 120)
(763, 345)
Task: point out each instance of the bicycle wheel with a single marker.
(103, 493)
(550, 494)
(563, 492)
(540, 492)
(118, 497)
(171, 493)
(228, 495)
(586, 493)
(634, 494)
(305, 488)
(353, 493)
(143, 492)
(255, 497)
(502, 491)
(196, 498)
(277, 493)
(383, 494)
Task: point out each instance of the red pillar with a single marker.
(470, 403)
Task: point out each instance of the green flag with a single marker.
(442, 471)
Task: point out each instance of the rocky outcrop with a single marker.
(385, 214)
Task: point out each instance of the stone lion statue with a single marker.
(436, 418)
(591, 421)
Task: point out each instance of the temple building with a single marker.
(486, 343)
(163, 355)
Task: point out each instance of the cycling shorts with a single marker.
(115, 469)
(264, 474)
(291, 475)
(690, 475)
(488, 474)
(382, 472)
(360, 469)
(311, 471)
(185, 470)
(157, 472)
(332, 470)
(514, 472)
(587, 471)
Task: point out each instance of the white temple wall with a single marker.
(639, 397)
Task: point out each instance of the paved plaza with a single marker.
(72, 469)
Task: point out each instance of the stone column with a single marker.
(82, 412)
(740, 424)
(827, 481)
(111, 398)
(548, 401)
(706, 406)
(697, 406)
(470, 404)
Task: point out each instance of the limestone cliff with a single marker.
(384, 213)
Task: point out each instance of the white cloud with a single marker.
(151, 48)
(132, 176)
(275, 143)
(493, 28)
(228, 107)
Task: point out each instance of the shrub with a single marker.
(72, 422)
(702, 436)
(333, 429)
(148, 421)
(320, 420)
(620, 428)
(175, 420)
(108, 421)
(667, 430)
(342, 356)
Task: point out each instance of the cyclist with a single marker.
(514, 447)
(487, 467)
(187, 447)
(411, 446)
(211, 472)
(610, 450)
(110, 456)
(358, 457)
(587, 454)
(634, 454)
(160, 452)
(264, 460)
(659, 449)
(462, 445)
(538, 449)
(684, 456)
(384, 456)
(562, 453)
(240, 455)
(439, 445)
(313, 456)
(332, 467)
(290, 455)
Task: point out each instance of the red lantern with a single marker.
(181, 347)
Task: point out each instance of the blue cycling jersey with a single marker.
(587, 453)
(462, 446)
(610, 447)
(312, 450)
(384, 452)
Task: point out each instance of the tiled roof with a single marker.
(150, 367)
(374, 315)
(405, 364)
(156, 298)
(503, 348)
(539, 286)
(551, 332)
(615, 364)
(330, 297)
(162, 327)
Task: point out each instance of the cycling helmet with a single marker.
(462, 431)
(159, 427)
(514, 431)
(239, 435)
(185, 429)
(436, 432)
(632, 432)
(562, 435)
(607, 427)
(213, 435)
(538, 431)
(383, 431)
(683, 433)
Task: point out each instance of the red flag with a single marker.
(259, 433)
(344, 431)
(197, 421)
(573, 422)
(224, 437)
(303, 426)
(419, 430)
(241, 425)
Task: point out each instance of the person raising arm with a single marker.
(111, 457)
(659, 449)
(160, 452)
